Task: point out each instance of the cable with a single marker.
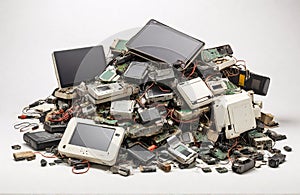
(81, 172)
(45, 156)
(146, 91)
(25, 126)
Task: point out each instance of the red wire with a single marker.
(82, 172)
(164, 90)
(194, 68)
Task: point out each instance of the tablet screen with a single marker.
(92, 136)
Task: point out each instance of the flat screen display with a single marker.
(78, 65)
(92, 136)
(164, 43)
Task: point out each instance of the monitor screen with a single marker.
(164, 43)
(77, 65)
(92, 136)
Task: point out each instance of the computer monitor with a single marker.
(163, 43)
(77, 65)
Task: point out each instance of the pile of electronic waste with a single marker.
(158, 100)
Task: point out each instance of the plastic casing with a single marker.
(108, 157)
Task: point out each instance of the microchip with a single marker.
(206, 169)
(222, 169)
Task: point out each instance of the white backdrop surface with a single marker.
(264, 33)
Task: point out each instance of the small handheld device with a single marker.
(83, 139)
(180, 151)
(100, 93)
(42, 139)
(141, 154)
(195, 93)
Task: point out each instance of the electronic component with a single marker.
(43, 163)
(275, 160)
(149, 115)
(268, 119)
(180, 152)
(195, 93)
(166, 167)
(187, 138)
(287, 148)
(83, 139)
(120, 170)
(234, 114)
(217, 87)
(41, 139)
(147, 169)
(16, 147)
(210, 54)
(208, 159)
(221, 169)
(242, 165)
(176, 47)
(77, 65)
(89, 110)
(55, 127)
(155, 95)
(122, 109)
(138, 130)
(141, 154)
(187, 114)
(100, 93)
(118, 46)
(206, 169)
(219, 154)
(136, 72)
(161, 75)
(28, 155)
(275, 136)
(260, 140)
(108, 74)
(259, 84)
(224, 62)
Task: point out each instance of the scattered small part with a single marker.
(274, 151)
(80, 166)
(43, 163)
(58, 161)
(147, 169)
(16, 147)
(28, 155)
(276, 159)
(222, 169)
(206, 169)
(120, 170)
(242, 165)
(287, 148)
(52, 163)
(209, 160)
(275, 136)
(166, 167)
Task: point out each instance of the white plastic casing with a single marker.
(234, 113)
(108, 157)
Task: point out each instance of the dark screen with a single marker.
(92, 136)
(77, 65)
(164, 43)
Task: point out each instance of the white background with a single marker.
(264, 33)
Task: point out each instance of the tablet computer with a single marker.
(83, 139)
